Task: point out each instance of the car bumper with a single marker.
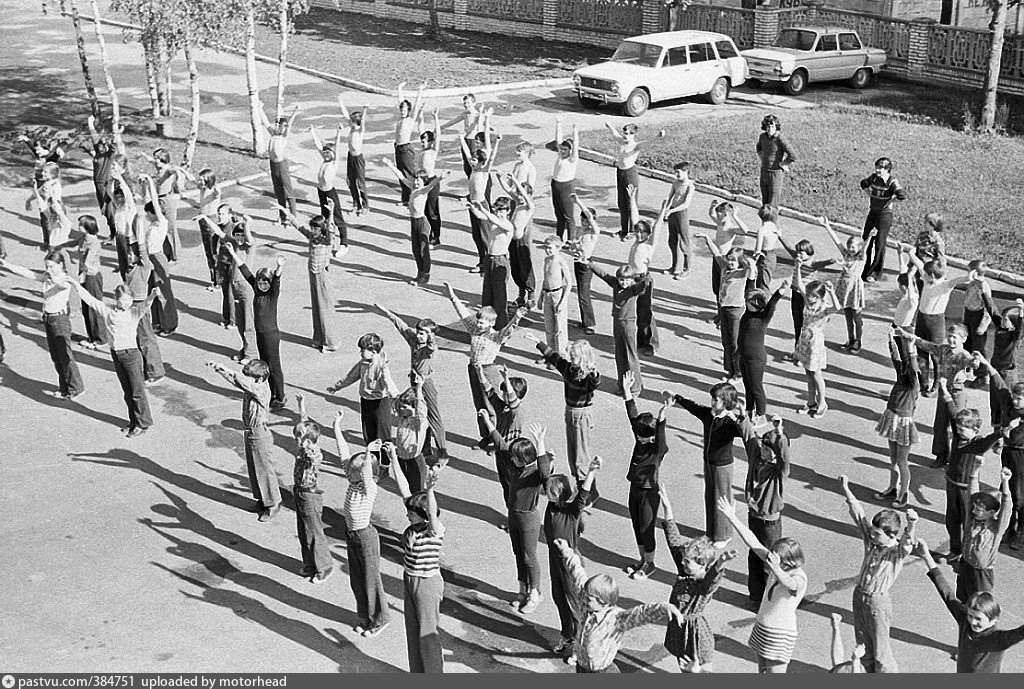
(602, 96)
(767, 74)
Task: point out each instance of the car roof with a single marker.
(823, 28)
(674, 38)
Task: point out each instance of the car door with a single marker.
(732, 62)
(704, 68)
(826, 61)
(673, 74)
(852, 55)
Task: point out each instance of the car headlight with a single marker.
(576, 79)
(615, 88)
(778, 69)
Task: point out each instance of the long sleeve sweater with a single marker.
(719, 432)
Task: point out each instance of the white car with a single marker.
(660, 66)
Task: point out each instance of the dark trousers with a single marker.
(419, 235)
(561, 201)
(363, 549)
(123, 249)
(752, 371)
(172, 244)
(411, 469)
(942, 427)
(560, 587)
(259, 444)
(767, 532)
(583, 295)
(432, 210)
(355, 169)
(281, 179)
(717, 484)
(854, 324)
(716, 280)
(994, 396)
(623, 179)
(268, 344)
(729, 324)
(369, 414)
(405, 159)
(128, 367)
(58, 342)
(1013, 459)
(477, 233)
(423, 597)
(165, 308)
(971, 580)
(45, 226)
(523, 531)
(771, 187)
(95, 328)
(227, 302)
(339, 216)
(477, 392)
(211, 247)
(152, 362)
(975, 342)
(626, 355)
(643, 506)
(646, 324)
(316, 549)
(679, 240)
(495, 290)
(874, 252)
(796, 306)
(930, 327)
(958, 502)
(520, 257)
(437, 432)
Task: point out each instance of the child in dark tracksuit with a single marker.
(721, 428)
(751, 352)
(563, 519)
(767, 471)
(649, 449)
(1009, 408)
(625, 290)
(984, 526)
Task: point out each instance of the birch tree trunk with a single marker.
(193, 83)
(995, 63)
(115, 103)
(154, 94)
(259, 134)
(90, 88)
(282, 55)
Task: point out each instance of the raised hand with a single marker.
(595, 465)
(538, 432)
(728, 555)
(725, 507)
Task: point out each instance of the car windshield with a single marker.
(643, 54)
(795, 39)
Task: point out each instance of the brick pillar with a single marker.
(917, 55)
(812, 9)
(461, 18)
(550, 31)
(651, 18)
(766, 27)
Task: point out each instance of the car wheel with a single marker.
(719, 91)
(861, 78)
(637, 103)
(589, 103)
(796, 83)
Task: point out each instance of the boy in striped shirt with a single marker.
(424, 587)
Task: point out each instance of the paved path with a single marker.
(137, 555)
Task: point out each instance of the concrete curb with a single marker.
(370, 88)
(604, 159)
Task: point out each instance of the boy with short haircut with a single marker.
(259, 442)
(1008, 410)
(885, 551)
(984, 527)
(964, 467)
(625, 291)
(485, 343)
(952, 362)
(1004, 350)
(767, 472)
(979, 313)
(882, 188)
(423, 348)
(407, 428)
(137, 282)
(555, 289)
(355, 163)
(626, 174)
(497, 231)
(375, 384)
(280, 175)
(503, 402)
(309, 499)
(679, 199)
(582, 250)
(641, 253)
(417, 188)
(521, 247)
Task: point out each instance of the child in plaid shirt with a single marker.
(309, 499)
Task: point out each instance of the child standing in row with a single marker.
(850, 287)
(355, 164)
(896, 424)
(375, 384)
(984, 527)
(555, 289)
(309, 498)
(750, 352)
(736, 275)
(625, 291)
(820, 303)
(680, 197)
(582, 251)
(763, 489)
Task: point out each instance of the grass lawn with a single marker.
(974, 181)
(384, 52)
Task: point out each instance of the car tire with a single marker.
(861, 78)
(719, 91)
(589, 103)
(637, 103)
(796, 83)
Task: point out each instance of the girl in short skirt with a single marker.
(850, 287)
(691, 640)
(774, 634)
(819, 303)
(897, 422)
